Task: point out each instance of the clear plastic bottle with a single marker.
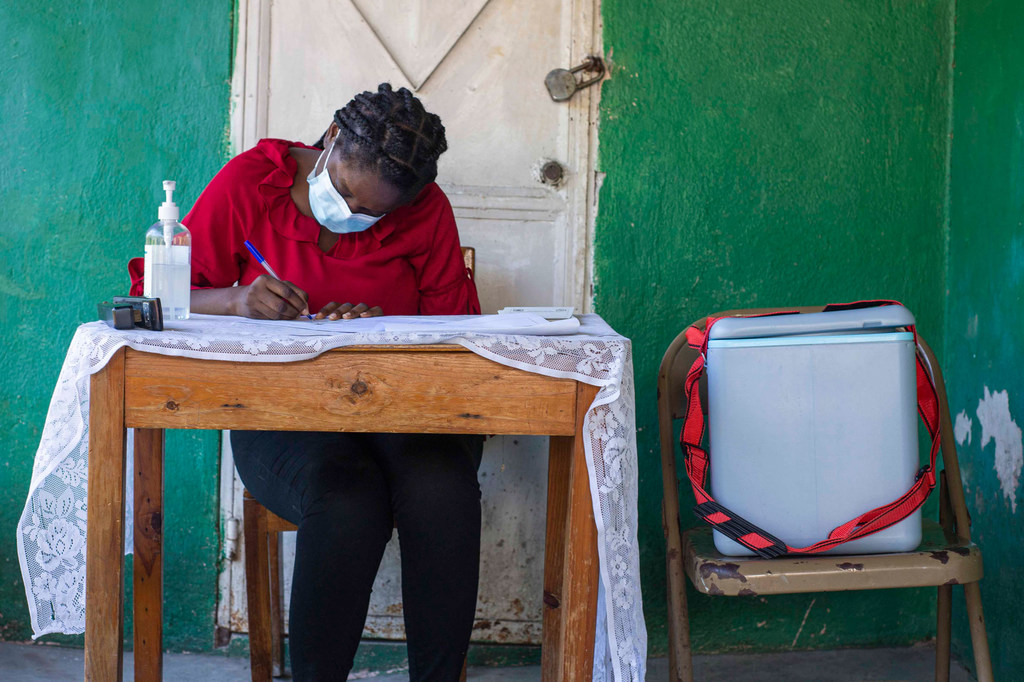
(168, 264)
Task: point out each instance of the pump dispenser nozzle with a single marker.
(169, 209)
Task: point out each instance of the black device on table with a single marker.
(129, 312)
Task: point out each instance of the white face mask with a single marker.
(330, 208)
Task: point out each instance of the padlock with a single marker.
(562, 83)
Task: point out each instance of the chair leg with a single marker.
(276, 604)
(680, 655)
(943, 608)
(979, 638)
(257, 590)
(462, 675)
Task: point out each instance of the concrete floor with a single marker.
(31, 663)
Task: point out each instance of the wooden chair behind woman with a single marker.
(263, 591)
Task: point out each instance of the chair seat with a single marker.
(940, 560)
(275, 524)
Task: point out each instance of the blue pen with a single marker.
(266, 266)
(260, 259)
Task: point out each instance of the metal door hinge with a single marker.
(231, 538)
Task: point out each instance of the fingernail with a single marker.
(334, 316)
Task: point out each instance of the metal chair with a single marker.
(945, 558)
(262, 534)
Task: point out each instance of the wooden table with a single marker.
(425, 389)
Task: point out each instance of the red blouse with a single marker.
(409, 262)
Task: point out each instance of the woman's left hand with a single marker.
(347, 311)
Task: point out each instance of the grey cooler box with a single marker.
(813, 421)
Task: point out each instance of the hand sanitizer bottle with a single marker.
(168, 271)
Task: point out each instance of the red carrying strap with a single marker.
(758, 540)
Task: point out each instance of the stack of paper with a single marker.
(513, 323)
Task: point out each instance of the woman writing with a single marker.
(357, 229)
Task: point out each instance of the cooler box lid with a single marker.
(857, 321)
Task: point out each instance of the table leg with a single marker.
(257, 577)
(570, 557)
(148, 557)
(104, 563)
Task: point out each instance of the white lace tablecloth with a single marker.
(51, 532)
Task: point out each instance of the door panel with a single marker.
(418, 35)
(513, 230)
(488, 89)
(480, 65)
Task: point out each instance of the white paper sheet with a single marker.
(516, 323)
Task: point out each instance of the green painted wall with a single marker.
(99, 103)
(769, 154)
(985, 307)
(793, 151)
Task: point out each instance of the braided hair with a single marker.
(391, 134)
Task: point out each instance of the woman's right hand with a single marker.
(267, 298)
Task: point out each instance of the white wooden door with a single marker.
(480, 65)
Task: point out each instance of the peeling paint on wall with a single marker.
(997, 424)
(962, 428)
(972, 327)
(985, 304)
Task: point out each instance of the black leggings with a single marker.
(346, 492)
